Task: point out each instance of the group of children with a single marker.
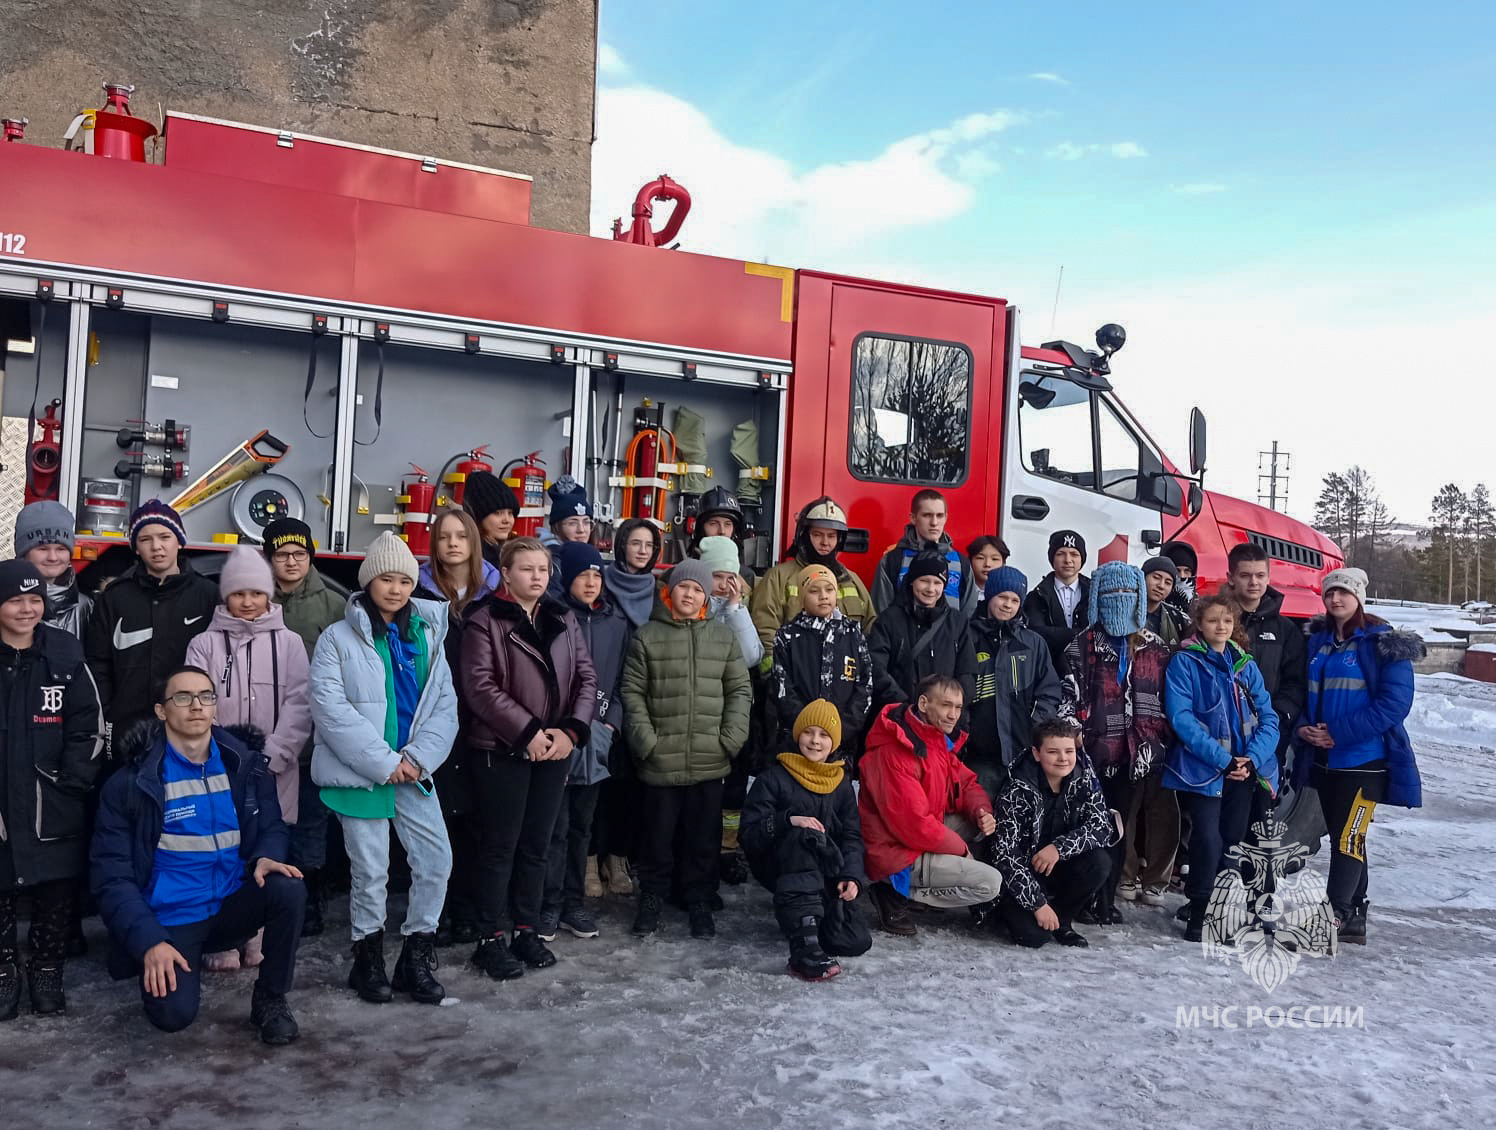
(537, 725)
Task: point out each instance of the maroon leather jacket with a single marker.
(519, 676)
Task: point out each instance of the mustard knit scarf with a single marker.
(818, 776)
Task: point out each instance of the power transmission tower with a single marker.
(1272, 477)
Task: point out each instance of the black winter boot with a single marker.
(528, 947)
(271, 1015)
(44, 978)
(893, 910)
(807, 960)
(732, 867)
(368, 977)
(647, 920)
(316, 903)
(703, 926)
(493, 957)
(10, 988)
(415, 971)
(1194, 929)
(1353, 924)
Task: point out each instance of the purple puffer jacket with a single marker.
(259, 668)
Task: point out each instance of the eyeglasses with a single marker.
(287, 556)
(184, 699)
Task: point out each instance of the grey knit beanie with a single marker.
(691, 569)
(44, 523)
(388, 554)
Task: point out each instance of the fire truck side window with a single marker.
(1054, 422)
(911, 410)
(1121, 456)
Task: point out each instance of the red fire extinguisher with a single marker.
(477, 460)
(417, 493)
(527, 478)
(44, 457)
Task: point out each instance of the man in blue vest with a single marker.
(186, 860)
(925, 533)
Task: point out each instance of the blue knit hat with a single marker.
(568, 500)
(154, 510)
(1119, 597)
(573, 558)
(1005, 579)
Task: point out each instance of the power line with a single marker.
(1272, 469)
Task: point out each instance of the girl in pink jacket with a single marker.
(259, 668)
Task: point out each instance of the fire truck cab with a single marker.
(266, 323)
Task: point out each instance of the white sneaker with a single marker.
(1152, 895)
(1129, 890)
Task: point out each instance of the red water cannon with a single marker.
(15, 128)
(117, 132)
(416, 499)
(44, 457)
(663, 190)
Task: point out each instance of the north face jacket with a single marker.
(1084, 821)
(1277, 644)
(816, 658)
(50, 756)
(1016, 688)
(686, 699)
(138, 633)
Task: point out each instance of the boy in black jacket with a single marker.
(920, 635)
(1053, 831)
(49, 756)
(821, 654)
(803, 840)
(1059, 605)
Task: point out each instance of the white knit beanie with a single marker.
(388, 554)
(246, 570)
(1353, 581)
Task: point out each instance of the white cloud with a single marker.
(1050, 76)
(753, 204)
(1197, 188)
(1070, 151)
(610, 62)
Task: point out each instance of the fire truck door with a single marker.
(910, 397)
(1074, 461)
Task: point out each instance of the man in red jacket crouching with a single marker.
(921, 809)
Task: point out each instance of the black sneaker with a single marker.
(271, 1015)
(647, 920)
(493, 957)
(10, 989)
(528, 947)
(45, 982)
(1068, 937)
(702, 925)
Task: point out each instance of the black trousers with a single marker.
(516, 802)
(1349, 800)
(1071, 885)
(277, 908)
(571, 843)
(52, 908)
(1217, 824)
(694, 812)
(1117, 792)
(615, 824)
(802, 869)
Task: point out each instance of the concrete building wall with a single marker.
(506, 84)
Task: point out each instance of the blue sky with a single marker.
(1290, 206)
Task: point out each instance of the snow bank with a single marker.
(1435, 623)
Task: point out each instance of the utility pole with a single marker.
(1272, 469)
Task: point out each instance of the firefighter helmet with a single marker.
(824, 514)
(719, 502)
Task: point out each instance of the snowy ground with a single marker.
(1433, 622)
(945, 1030)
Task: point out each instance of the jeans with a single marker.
(1217, 824)
(1069, 886)
(52, 908)
(516, 806)
(1152, 816)
(683, 820)
(571, 841)
(950, 881)
(423, 834)
(276, 908)
(309, 833)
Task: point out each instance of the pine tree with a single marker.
(1446, 519)
(1483, 535)
(1329, 508)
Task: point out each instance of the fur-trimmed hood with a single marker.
(138, 739)
(1393, 645)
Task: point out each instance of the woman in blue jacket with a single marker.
(1226, 743)
(1350, 742)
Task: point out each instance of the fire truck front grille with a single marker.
(1293, 552)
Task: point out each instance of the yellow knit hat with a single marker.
(820, 713)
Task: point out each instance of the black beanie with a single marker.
(485, 493)
(19, 577)
(1066, 539)
(287, 531)
(1182, 553)
(927, 565)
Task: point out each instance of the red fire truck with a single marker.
(258, 322)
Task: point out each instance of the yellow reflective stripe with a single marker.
(1352, 840)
